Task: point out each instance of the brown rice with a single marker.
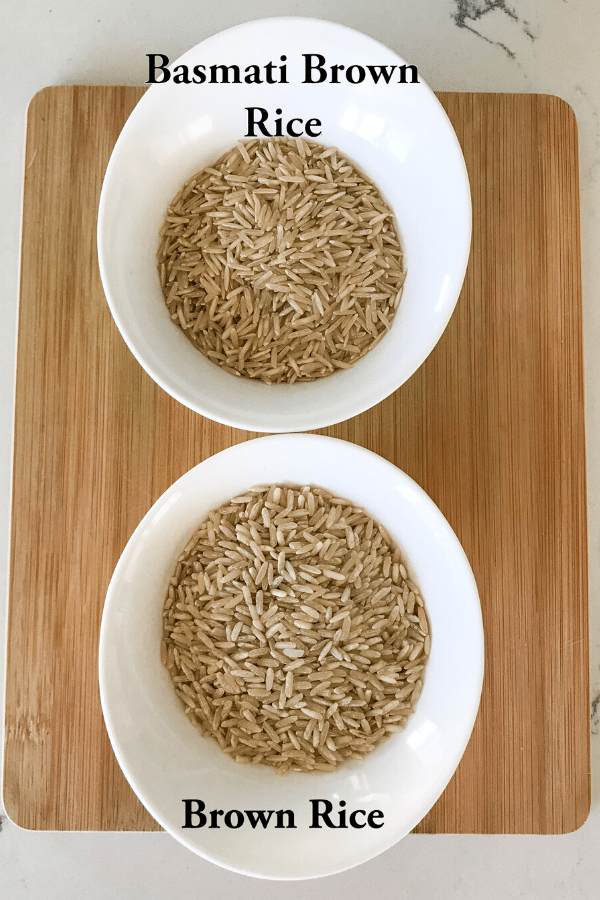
(281, 262)
(292, 632)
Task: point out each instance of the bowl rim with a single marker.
(312, 417)
(129, 551)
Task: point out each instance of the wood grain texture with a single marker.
(492, 426)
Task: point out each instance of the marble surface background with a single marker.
(458, 45)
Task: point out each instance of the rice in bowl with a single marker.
(292, 632)
(281, 262)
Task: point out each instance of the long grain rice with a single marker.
(281, 262)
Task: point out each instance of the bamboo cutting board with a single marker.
(491, 426)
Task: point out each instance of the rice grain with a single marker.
(281, 263)
(273, 679)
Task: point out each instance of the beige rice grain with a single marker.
(276, 680)
(280, 263)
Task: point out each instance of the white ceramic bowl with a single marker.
(398, 134)
(165, 759)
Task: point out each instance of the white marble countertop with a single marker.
(458, 45)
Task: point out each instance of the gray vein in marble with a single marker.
(468, 11)
(596, 713)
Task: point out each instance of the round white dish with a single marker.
(398, 134)
(165, 759)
